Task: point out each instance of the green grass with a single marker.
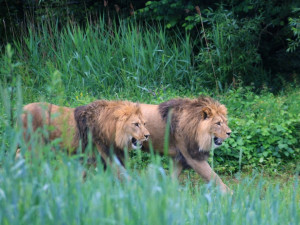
(75, 66)
(47, 188)
(104, 61)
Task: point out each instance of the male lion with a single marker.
(116, 124)
(196, 126)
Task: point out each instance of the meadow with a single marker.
(73, 66)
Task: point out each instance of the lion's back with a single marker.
(41, 114)
(36, 113)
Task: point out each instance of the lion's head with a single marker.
(213, 129)
(117, 123)
(130, 126)
(201, 123)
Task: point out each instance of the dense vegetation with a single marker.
(72, 62)
(248, 42)
(75, 66)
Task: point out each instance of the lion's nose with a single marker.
(228, 133)
(147, 135)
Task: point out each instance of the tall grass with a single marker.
(47, 188)
(106, 60)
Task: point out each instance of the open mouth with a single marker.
(218, 141)
(135, 143)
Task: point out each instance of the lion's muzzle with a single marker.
(138, 143)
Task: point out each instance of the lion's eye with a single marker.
(137, 124)
(218, 123)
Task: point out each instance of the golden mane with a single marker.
(106, 119)
(189, 116)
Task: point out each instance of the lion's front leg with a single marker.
(204, 170)
(177, 168)
(121, 171)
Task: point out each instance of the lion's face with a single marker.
(219, 130)
(213, 129)
(134, 132)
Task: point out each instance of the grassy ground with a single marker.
(48, 189)
(75, 66)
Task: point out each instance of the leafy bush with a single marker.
(229, 52)
(169, 12)
(265, 131)
(295, 27)
(246, 37)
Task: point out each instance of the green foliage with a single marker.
(265, 131)
(9, 88)
(246, 37)
(278, 64)
(107, 60)
(170, 12)
(229, 52)
(46, 187)
(75, 66)
(295, 27)
(7, 71)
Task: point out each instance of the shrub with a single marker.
(265, 131)
(229, 52)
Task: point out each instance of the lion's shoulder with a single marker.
(175, 104)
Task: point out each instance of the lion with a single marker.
(113, 125)
(196, 126)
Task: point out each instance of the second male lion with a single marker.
(112, 124)
(196, 126)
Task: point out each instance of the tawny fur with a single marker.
(111, 124)
(194, 123)
(57, 119)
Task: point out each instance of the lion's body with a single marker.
(196, 125)
(111, 124)
(60, 121)
(157, 126)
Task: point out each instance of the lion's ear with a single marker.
(206, 112)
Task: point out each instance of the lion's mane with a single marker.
(100, 119)
(188, 119)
